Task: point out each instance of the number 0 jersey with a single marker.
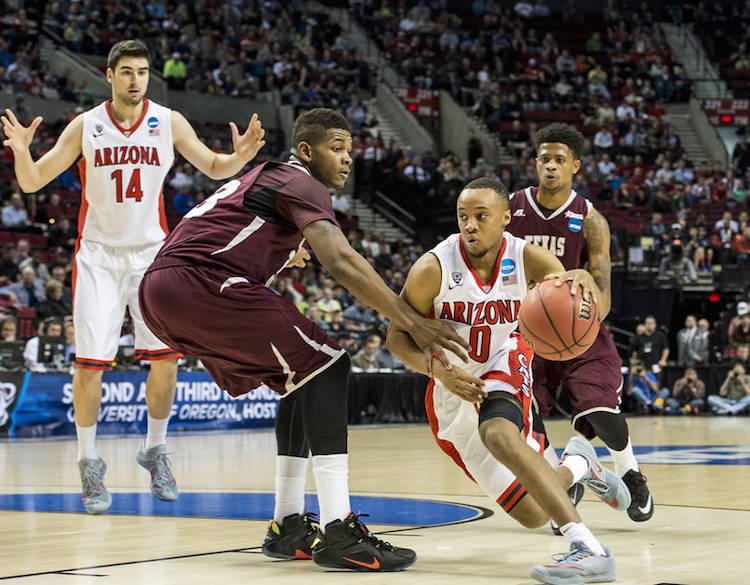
(485, 314)
(122, 176)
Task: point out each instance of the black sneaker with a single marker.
(348, 544)
(642, 506)
(293, 539)
(575, 493)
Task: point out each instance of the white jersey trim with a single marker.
(554, 214)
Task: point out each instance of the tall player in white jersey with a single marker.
(127, 144)
(476, 280)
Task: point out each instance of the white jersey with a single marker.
(122, 176)
(485, 314)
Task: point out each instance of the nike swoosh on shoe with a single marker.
(375, 564)
(647, 508)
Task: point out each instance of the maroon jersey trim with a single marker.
(128, 132)
(486, 287)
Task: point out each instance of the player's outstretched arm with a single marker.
(355, 273)
(31, 175)
(215, 164)
(421, 287)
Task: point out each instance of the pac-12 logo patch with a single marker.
(575, 225)
(507, 266)
(457, 279)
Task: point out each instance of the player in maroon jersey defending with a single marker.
(554, 216)
(207, 293)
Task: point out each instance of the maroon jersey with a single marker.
(558, 230)
(252, 226)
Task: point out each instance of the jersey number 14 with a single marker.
(133, 189)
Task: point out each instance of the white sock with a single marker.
(575, 531)
(624, 460)
(332, 480)
(551, 456)
(86, 442)
(290, 487)
(578, 466)
(156, 433)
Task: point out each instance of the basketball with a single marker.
(558, 326)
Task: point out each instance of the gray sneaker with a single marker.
(95, 496)
(600, 480)
(154, 460)
(579, 565)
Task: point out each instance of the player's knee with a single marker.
(529, 514)
(501, 437)
(84, 376)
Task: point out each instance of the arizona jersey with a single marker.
(122, 176)
(485, 314)
(252, 226)
(560, 231)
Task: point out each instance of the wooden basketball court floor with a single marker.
(698, 471)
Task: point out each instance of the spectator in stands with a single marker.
(743, 356)
(603, 140)
(29, 290)
(8, 266)
(9, 329)
(703, 254)
(692, 344)
(727, 228)
(35, 260)
(643, 386)
(741, 334)
(69, 332)
(367, 358)
(741, 309)
(313, 314)
(687, 395)
(327, 304)
(52, 327)
(734, 393)
(741, 246)
(63, 234)
(53, 304)
(14, 213)
(175, 72)
(183, 202)
(358, 317)
(651, 347)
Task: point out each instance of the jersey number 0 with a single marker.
(133, 189)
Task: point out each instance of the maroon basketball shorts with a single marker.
(244, 334)
(593, 379)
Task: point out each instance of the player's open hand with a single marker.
(431, 336)
(460, 383)
(299, 259)
(579, 278)
(17, 136)
(248, 144)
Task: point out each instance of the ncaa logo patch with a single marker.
(152, 122)
(507, 266)
(575, 225)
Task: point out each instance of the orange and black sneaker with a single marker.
(293, 539)
(348, 544)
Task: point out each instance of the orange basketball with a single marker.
(557, 325)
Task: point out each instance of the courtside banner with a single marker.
(38, 405)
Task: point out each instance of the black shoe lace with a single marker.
(636, 483)
(363, 533)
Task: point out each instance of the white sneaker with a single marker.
(578, 566)
(600, 480)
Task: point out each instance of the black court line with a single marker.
(484, 513)
(73, 574)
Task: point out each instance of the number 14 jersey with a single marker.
(483, 313)
(122, 176)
